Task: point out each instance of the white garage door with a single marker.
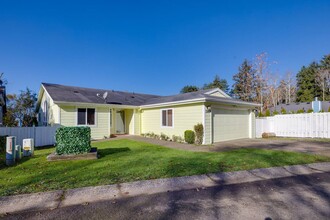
(230, 124)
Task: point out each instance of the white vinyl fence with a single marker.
(42, 136)
(313, 125)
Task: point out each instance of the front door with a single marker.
(120, 122)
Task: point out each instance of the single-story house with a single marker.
(115, 112)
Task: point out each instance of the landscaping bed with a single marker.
(127, 160)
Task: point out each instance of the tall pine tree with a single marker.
(218, 83)
(243, 87)
(307, 87)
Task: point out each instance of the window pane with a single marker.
(91, 116)
(81, 116)
(169, 118)
(164, 117)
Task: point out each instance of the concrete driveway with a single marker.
(285, 144)
(297, 145)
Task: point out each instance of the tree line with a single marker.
(20, 109)
(256, 82)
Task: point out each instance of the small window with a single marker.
(91, 116)
(86, 115)
(167, 118)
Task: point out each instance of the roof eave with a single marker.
(96, 104)
(234, 102)
(163, 104)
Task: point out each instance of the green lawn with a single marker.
(126, 160)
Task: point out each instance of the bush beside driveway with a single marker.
(125, 160)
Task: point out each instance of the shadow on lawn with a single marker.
(108, 151)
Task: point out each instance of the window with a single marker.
(167, 118)
(86, 115)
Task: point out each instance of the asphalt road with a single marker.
(299, 197)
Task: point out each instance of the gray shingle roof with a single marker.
(178, 97)
(298, 106)
(61, 93)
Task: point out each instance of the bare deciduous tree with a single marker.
(323, 80)
(263, 73)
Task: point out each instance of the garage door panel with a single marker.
(230, 124)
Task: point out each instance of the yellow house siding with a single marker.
(129, 121)
(113, 125)
(208, 128)
(184, 118)
(100, 130)
(253, 125)
(68, 115)
(54, 112)
(137, 122)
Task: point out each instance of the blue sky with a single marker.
(154, 46)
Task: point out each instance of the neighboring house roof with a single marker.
(298, 106)
(72, 94)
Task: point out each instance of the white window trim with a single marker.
(95, 117)
(161, 117)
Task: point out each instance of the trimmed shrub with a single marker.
(300, 111)
(3, 143)
(310, 110)
(177, 138)
(283, 111)
(267, 113)
(329, 109)
(275, 113)
(189, 136)
(164, 137)
(199, 131)
(260, 115)
(73, 140)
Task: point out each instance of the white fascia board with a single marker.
(234, 103)
(40, 94)
(96, 104)
(164, 104)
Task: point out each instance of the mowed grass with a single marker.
(127, 160)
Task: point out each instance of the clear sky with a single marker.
(154, 46)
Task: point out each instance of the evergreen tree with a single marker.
(243, 82)
(189, 88)
(307, 87)
(218, 83)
